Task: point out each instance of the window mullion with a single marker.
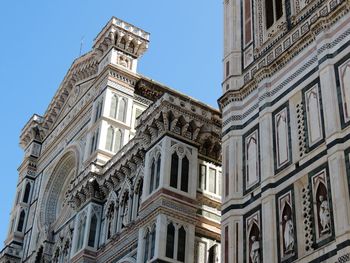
(176, 238)
(179, 165)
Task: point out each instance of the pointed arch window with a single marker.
(273, 11)
(155, 173)
(98, 110)
(181, 245)
(93, 231)
(81, 231)
(26, 193)
(184, 174)
(118, 140)
(170, 241)
(114, 107)
(110, 220)
(174, 170)
(179, 172)
(131, 47)
(122, 43)
(122, 110)
(20, 225)
(94, 141)
(109, 140)
(150, 242)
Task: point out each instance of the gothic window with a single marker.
(282, 147)
(149, 241)
(170, 241)
(110, 220)
(26, 193)
(98, 110)
(122, 110)
(181, 245)
(94, 141)
(125, 211)
(21, 221)
(139, 196)
(212, 180)
(146, 256)
(109, 140)
(114, 107)
(118, 140)
(174, 170)
(273, 11)
(155, 173)
(202, 177)
(343, 88)
(213, 254)
(151, 187)
(248, 35)
(179, 172)
(81, 231)
(184, 174)
(153, 241)
(93, 231)
(176, 242)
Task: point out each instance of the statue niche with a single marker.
(287, 230)
(323, 212)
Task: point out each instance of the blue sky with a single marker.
(40, 39)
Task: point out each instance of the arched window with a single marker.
(151, 187)
(150, 239)
(122, 110)
(114, 107)
(181, 245)
(139, 196)
(146, 249)
(125, 211)
(213, 254)
(273, 11)
(158, 172)
(26, 193)
(118, 140)
(110, 219)
(174, 170)
(98, 111)
(21, 221)
(184, 174)
(81, 231)
(170, 241)
(153, 241)
(92, 232)
(109, 140)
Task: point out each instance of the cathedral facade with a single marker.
(286, 117)
(120, 168)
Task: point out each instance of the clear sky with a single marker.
(39, 40)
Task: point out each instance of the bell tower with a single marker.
(285, 118)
